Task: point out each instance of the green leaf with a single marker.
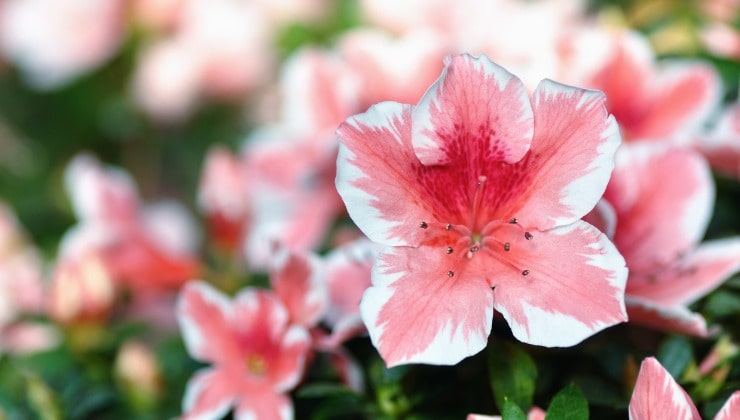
(323, 390)
(513, 374)
(722, 304)
(675, 354)
(568, 404)
(512, 411)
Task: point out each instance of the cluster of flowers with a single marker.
(476, 192)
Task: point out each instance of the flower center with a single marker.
(256, 365)
(462, 242)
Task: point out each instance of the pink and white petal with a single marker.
(571, 159)
(692, 276)
(348, 270)
(204, 314)
(574, 287)
(475, 104)
(668, 198)
(685, 95)
(376, 166)
(416, 313)
(349, 370)
(298, 279)
(603, 217)
(209, 395)
(657, 395)
(287, 367)
(259, 316)
(677, 319)
(264, 405)
(731, 409)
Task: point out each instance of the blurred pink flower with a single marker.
(223, 198)
(478, 179)
(393, 69)
(256, 357)
(651, 100)
(53, 42)
(658, 396)
(157, 14)
(220, 49)
(21, 290)
(146, 249)
(663, 197)
(82, 291)
(348, 270)
(298, 280)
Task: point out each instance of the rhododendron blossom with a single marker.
(657, 396)
(663, 198)
(478, 192)
(256, 355)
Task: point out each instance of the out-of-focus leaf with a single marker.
(722, 304)
(599, 392)
(323, 390)
(512, 411)
(513, 374)
(42, 399)
(568, 404)
(675, 354)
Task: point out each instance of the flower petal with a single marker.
(658, 396)
(692, 276)
(570, 161)
(663, 197)
(264, 405)
(298, 280)
(415, 313)
(203, 314)
(574, 287)
(209, 395)
(731, 409)
(475, 104)
(685, 93)
(678, 319)
(603, 217)
(375, 167)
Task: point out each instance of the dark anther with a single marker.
(448, 226)
(513, 220)
(525, 272)
(474, 248)
(449, 250)
(528, 236)
(507, 246)
(423, 225)
(450, 273)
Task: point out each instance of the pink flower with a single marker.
(256, 356)
(298, 280)
(479, 193)
(658, 396)
(222, 196)
(146, 248)
(663, 199)
(650, 100)
(54, 42)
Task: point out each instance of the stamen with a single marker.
(449, 250)
(507, 247)
(448, 226)
(477, 199)
(450, 273)
(525, 272)
(423, 225)
(474, 248)
(528, 236)
(514, 220)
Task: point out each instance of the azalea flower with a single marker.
(478, 193)
(662, 197)
(255, 355)
(45, 39)
(657, 396)
(651, 100)
(721, 145)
